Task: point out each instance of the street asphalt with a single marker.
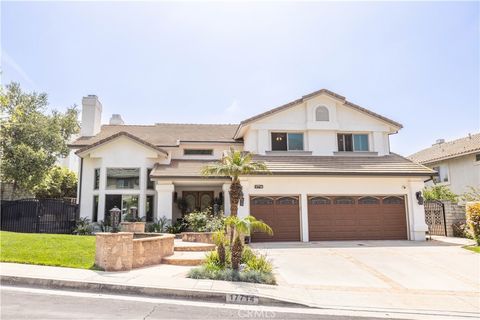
(29, 303)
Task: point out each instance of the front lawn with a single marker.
(48, 249)
(473, 248)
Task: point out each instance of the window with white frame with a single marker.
(283, 141)
(352, 142)
(442, 176)
(321, 114)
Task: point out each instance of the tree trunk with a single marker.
(235, 190)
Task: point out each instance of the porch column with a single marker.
(244, 210)
(304, 216)
(226, 198)
(164, 199)
(416, 212)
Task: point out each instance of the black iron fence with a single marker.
(435, 217)
(39, 215)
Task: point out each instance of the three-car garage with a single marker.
(332, 217)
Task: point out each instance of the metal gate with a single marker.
(39, 216)
(435, 218)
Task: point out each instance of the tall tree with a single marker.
(31, 138)
(58, 183)
(233, 165)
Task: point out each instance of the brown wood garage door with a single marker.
(282, 214)
(356, 218)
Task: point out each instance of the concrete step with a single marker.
(185, 258)
(193, 246)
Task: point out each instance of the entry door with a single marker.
(198, 200)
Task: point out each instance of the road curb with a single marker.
(157, 292)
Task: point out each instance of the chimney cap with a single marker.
(439, 141)
(116, 119)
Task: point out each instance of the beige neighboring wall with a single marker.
(463, 171)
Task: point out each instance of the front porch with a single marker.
(178, 197)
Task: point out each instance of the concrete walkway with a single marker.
(395, 276)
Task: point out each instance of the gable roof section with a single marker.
(165, 134)
(448, 150)
(310, 95)
(117, 135)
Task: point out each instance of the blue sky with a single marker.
(417, 63)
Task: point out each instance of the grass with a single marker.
(48, 249)
(473, 248)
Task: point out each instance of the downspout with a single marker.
(80, 184)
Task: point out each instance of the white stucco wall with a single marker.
(320, 137)
(119, 153)
(462, 172)
(340, 185)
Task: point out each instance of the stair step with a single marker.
(185, 258)
(193, 246)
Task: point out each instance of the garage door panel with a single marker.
(281, 213)
(356, 217)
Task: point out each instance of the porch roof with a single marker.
(182, 169)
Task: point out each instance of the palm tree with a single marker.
(233, 165)
(239, 227)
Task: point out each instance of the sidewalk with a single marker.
(170, 281)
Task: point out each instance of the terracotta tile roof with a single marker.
(116, 135)
(391, 165)
(447, 150)
(180, 168)
(324, 91)
(165, 134)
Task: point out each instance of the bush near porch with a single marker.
(255, 268)
(48, 249)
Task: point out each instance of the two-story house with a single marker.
(333, 176)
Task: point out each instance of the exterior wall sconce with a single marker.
(419, 196)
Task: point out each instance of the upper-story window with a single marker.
(150, 182)
(321, 114)
(352, 142)
(197, 152)
(96, 181)
(123, 178)
(442, 174)
(283, 141)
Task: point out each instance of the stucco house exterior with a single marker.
(457, 162)
(333, 176)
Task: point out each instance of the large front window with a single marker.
(123, 178)
(352, 142)
(283, 141)
(123, 202)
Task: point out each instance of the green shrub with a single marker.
(204, 221)
(473, 219)
(461, 230)
(177, 227)
(158, 225)
(259, 263)
(83, 227)
(204, 272)
(439, 193)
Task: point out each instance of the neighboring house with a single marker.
(333, 176)
(457, 162)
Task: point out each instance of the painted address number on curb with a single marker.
(241, 298)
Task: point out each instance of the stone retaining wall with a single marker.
(136, 227)
(453, 213)
(204, 237)
(123, 251)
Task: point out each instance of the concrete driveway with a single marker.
(409, 275)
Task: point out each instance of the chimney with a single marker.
(439, 141)
(91, 116)
(116, 119)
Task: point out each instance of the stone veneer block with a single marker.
(204, 237)
(114, 251)
(150, 250)
(136, 227)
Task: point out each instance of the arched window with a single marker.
(321, 114)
